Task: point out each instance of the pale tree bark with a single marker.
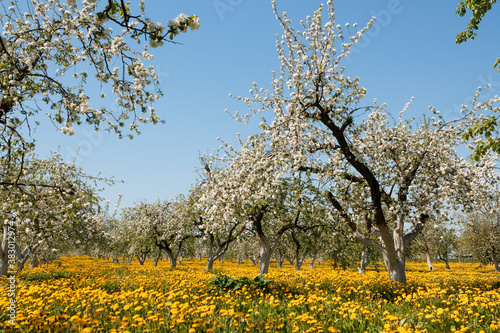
(280, 260)
(496, 264)
(363, 263)
(392, 245)
(172, 258)
(265, 256)
(313, 259)
(4, 258)
(299, 261)
(429, 262)
(23, 256)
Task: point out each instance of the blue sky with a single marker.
(410, 51)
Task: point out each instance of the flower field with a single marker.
(84, 294)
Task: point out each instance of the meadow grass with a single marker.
(84, 294)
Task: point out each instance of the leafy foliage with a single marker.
(42, 276)
(222, 281)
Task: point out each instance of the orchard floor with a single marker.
(84, 294)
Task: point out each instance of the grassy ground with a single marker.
(85, 294)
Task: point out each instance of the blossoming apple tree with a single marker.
(160, 227)
(481, 233)
(252, 187)
(384, 178)
(216, 238)
(53, 206)
(92, 42)
(55, 55)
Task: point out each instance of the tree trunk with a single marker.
(496, 264)
(157, 259)
(265, 251)
(180, 260)
(353, 261)
(4, 263)
(34, 262)
(171, 257)
(265, 259)
(22, 256)
(313, 259)
(254, 260)
(298, 264)
(210, 264)
(130, 260)
(299, 261)
(429, 263)
(240, 260)
(445, 259)
(4, 258)
(363, 262)
(395, 269)
(280, 261)
(141, 258)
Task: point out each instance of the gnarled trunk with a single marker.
(172, 258)
(141, 258)
(445, 259)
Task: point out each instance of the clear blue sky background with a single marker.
(410, 51)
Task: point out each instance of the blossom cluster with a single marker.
(54, 38)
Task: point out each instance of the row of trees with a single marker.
(48, 204)
(328, 175)
(175, 229)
